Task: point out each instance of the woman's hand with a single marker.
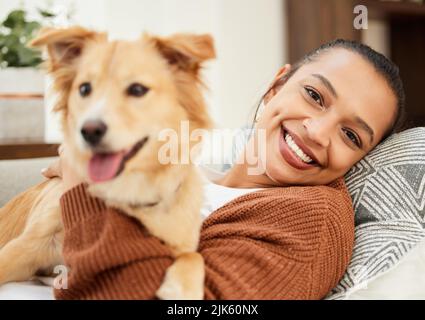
(61, 169)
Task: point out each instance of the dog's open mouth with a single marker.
(106, 166)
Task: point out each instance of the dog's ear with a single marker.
(64, 45)
(186, 51)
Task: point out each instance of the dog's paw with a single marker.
(174, 289)
(170, 290)
(184, 280)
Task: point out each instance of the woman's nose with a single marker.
(318, 130)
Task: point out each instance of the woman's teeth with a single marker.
(293, 146)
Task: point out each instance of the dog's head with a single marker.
(116, 96)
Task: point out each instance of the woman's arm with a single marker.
(109, 254)
(282, 243)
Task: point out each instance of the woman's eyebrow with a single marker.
(365, 127)
(326, 83)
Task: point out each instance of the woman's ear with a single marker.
(278, 81)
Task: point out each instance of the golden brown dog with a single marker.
(115, 97)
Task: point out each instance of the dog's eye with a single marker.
(85, 89)
(137, 90)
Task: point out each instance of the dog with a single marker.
(114, 98)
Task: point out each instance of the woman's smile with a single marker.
(293, 154)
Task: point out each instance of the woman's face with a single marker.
(336, 109)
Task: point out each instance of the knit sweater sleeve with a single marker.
(280, 243)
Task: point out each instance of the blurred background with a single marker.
(253, 38)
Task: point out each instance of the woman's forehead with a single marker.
(341, 63)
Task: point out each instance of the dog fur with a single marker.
(31, 231)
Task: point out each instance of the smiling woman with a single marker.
(323, 115)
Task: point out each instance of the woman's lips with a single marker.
(289, 155)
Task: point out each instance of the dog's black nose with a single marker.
(93, 131)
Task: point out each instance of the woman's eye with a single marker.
(137, 90)
(85, 89)
(314, 95)
(353, 138)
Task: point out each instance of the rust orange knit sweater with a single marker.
(279, 243)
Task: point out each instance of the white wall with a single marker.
(249, 35)
(377, 36)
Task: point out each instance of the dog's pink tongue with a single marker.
(104, 167)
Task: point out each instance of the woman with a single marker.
(290, 240)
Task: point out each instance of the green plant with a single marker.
(15, 32)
